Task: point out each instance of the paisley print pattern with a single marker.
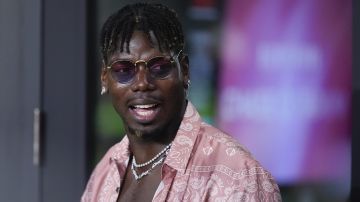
(204, 164)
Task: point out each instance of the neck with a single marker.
(143, 151)
(145, 146)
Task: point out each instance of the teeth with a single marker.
(144, 113)
(144, 106)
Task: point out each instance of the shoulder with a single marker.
(217, 147)
(231, 167)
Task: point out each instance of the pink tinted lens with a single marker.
(123, 70)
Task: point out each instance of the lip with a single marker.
(143, 101)
(145, 115)
(144, 111)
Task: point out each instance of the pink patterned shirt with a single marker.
(204, 164)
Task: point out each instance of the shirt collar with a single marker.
(121, 152)
(184, 141)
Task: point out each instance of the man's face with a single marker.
(146, 105)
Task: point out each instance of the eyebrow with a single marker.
(114, 59)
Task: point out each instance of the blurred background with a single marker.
(276, 75)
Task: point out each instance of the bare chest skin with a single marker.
(140, 190)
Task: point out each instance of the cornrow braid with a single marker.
(162, 21)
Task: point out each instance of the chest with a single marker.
(140, 190)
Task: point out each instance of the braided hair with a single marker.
(148, 18)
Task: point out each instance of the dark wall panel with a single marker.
(64, 102)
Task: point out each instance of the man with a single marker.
(168, 153)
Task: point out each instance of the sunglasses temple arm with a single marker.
(179, 65)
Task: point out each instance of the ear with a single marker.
(104, 75)
(185, 70)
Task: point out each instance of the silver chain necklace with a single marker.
(141, 175)
(151, 160)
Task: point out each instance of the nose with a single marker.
(142, 82)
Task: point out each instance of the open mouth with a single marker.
(144, 112)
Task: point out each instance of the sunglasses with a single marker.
(159, 67)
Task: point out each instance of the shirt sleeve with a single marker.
(257, 186)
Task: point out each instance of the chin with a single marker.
(146, 132)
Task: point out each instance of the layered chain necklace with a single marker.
(158, 159)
